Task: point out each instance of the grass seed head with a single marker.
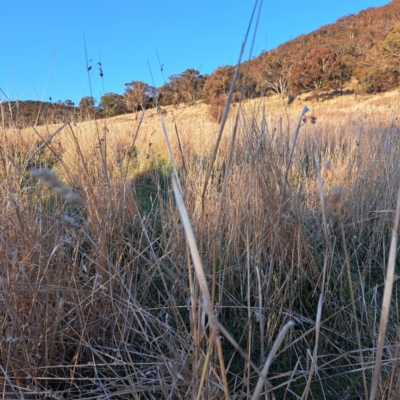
(73, 198)
(49, 179)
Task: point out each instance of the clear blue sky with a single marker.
(42, 48)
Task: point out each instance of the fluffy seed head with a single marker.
(49, 179)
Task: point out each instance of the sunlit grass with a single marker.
(99, 298)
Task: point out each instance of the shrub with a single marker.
(375, 79)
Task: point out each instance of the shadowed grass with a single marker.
(100, 298)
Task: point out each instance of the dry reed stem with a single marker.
(228, 164)
(387, 296)
(45, 143)
(228, 103)
(135, 136)
(206, 366)
(282, 199)
(313, 366)
(264, 373)
(200, 274)
(347, 260)
(171, 154)
(249, 312)
(325, 224)
(261, 317)
(180, 148)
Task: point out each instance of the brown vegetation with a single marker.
(163, 257)
(100, 297)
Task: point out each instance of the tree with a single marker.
(186, 86)
(390, 48)
(139, 95)
(87, 103)
(219, 82)
(319, 70)
(165, 95)
(375, 79)
(69, 103)
(274, 76)
(278, 82)
(113, 104)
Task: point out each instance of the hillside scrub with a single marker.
(359, 53)
(99, 297)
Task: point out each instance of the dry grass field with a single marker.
(101, 296)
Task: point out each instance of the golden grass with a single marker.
(101, 299)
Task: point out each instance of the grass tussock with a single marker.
(99, 296)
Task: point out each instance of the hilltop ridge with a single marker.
(359, 53)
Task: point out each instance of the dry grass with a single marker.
(99, 299)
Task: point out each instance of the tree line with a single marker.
(359, 51)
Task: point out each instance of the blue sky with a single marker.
(42, 46)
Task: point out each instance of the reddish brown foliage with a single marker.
(320, 70)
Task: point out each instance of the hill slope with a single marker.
(359, 52)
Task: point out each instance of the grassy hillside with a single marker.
(99, 293)
(356, 54)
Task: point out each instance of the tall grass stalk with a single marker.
(387, 298)
(283, 199)
(201, 278)
(271, 355)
